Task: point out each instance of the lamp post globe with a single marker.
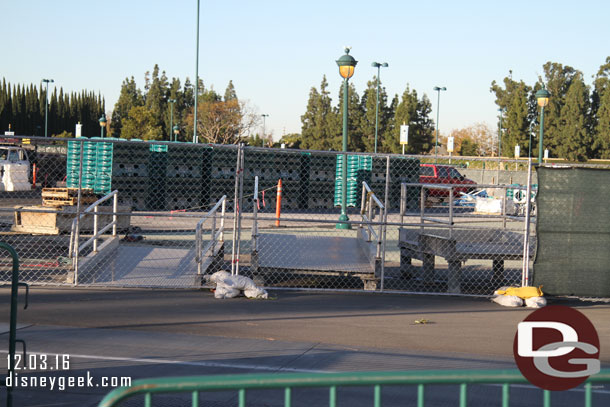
(176, 130)
(103, 123)
(542, 96)
(347, 65)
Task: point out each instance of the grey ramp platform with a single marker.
(145, 266)
(312, 253)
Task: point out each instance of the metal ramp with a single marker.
(146, 266)
(111, 263)
(360, 257)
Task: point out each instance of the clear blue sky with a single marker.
(275, 51)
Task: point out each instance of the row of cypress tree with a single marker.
(23, 108)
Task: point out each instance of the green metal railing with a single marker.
(12, 338)
(243, 383)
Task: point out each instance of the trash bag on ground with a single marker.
(229, 286)
(535, 302)
(508, 300)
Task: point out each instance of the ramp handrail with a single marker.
(75, 249)
(243, 382)
(215, 235)
(366, 205)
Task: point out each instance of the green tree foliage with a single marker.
(468, 148)
(558, 79)
(319, 131)
(573, 129)
(141, 124)
(129, 98)
(23, 108)
(367, 126)
(415, 113)
(355, 113)
(218, 120)
(518, 111)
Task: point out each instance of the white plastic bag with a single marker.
(508, 300)
(228, 286)
(535, 302)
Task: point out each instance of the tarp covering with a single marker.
(573, 228)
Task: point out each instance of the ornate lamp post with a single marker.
(438, 105)
(103, 123)
(542, 96)
(347, 65)
(46, 104)
(378, 66)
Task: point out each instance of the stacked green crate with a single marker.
(130, 173)
(186, 188)
(73, 166)
(304, 180)
(358, 170)
(88, 166)
(321, 181)
(103, 168)
(222, 163)
(157, 167)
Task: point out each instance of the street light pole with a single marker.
(542, 96)
(195, 140)
(346, 64)
(378, 66)
(171, 117)
(438, 105)
(46, 103)
(264, 117)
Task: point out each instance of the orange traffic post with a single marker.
(278, 203)
(34, 176)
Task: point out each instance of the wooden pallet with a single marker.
(66, 196)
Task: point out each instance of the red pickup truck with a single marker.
(444, 174)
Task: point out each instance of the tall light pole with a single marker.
(103, 123)
(542, 96)
(46, 103)
(438, 105)
(171, 117)
(195, 140)
(346, 64)
(264, 117)
(378, 66)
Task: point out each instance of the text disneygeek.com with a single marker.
(27, 372)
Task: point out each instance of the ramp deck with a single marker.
(312, 254)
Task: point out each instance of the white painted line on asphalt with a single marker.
(181, 362)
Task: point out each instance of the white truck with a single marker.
(14, 169)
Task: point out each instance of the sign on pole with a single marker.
(404, 134)
(517, 151)
(79, 130)
(450, 144)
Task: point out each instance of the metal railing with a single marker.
(368, 213)
(12, 339)
(215, 235)
(75, 248)
(243, 383)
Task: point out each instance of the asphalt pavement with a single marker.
(151, 333)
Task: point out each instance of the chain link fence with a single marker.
(182, 211)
